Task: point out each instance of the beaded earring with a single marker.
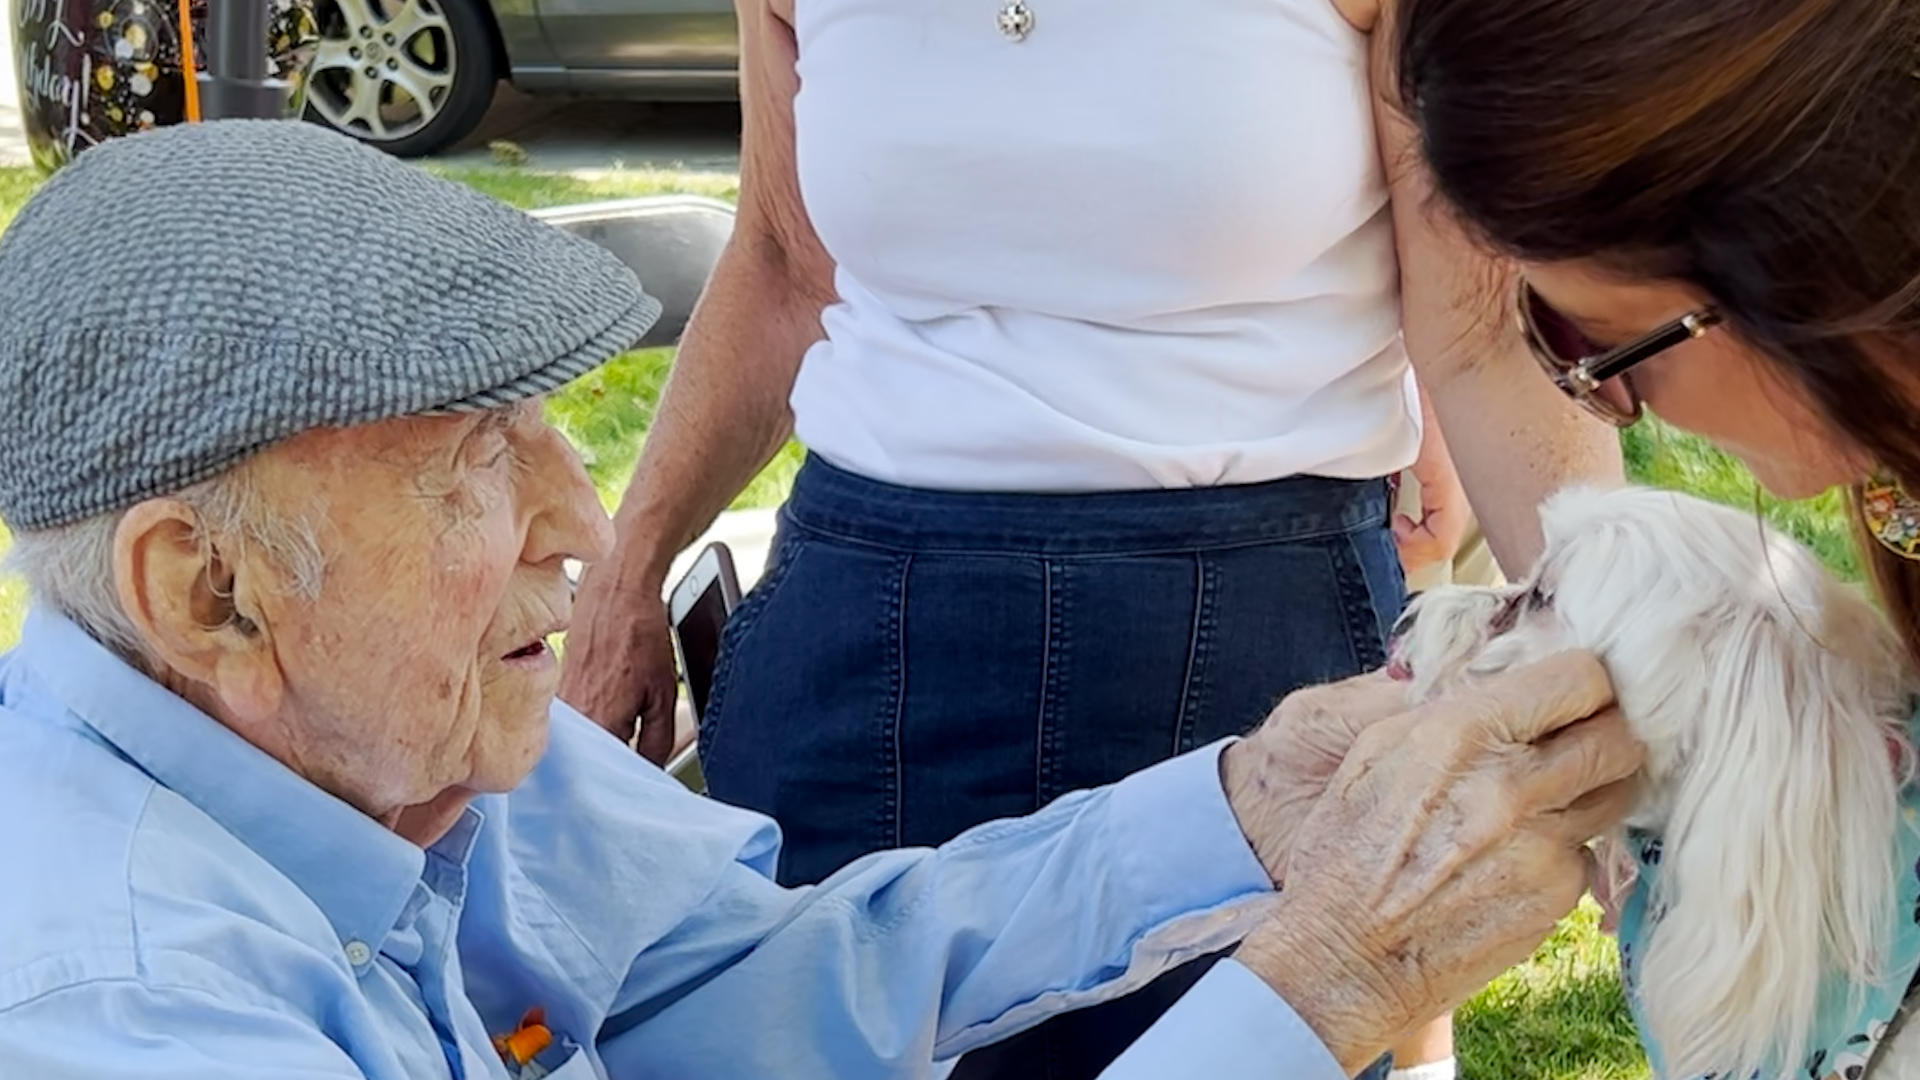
(1891, 515)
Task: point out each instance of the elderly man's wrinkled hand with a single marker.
(1274, 777)
(1445, 848)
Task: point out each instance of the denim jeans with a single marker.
(914, 663)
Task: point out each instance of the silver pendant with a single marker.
(1016, 20)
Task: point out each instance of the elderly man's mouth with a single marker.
(531, 651)
(534, 652)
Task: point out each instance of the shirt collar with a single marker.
(357, 872)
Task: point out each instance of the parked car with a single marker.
(415, 76)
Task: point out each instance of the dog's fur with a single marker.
(1772, 700)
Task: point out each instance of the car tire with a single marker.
(408, 76)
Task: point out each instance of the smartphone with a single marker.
(697, 610)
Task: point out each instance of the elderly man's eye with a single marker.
(491, 443)
(490, 446)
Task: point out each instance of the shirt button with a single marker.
(358, 954)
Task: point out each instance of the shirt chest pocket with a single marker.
(578, 1066)
(564, 1060)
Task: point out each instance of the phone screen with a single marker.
(699, 633)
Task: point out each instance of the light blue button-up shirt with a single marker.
(179, 905)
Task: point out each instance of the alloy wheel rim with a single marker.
(383, 68)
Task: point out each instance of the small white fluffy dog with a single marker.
(1773, 702)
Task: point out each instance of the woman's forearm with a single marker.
(1513, 437)
(723, 413)
(1515, 440)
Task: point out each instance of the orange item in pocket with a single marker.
(526, 1041)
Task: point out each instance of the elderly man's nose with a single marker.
(599, 544)
(570, 529)
(575, 526)
(568, 521)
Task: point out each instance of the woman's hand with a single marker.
(618, 667)
(1446, 846)
(723, 414)
(1445, 515)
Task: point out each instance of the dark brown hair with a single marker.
(1766, 152)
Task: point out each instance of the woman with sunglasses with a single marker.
(1712, 212)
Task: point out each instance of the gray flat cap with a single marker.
(174, 302)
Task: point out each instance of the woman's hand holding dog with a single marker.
(1423, 850)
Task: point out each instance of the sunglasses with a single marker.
(1595, 377)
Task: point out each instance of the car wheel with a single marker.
(407, 76)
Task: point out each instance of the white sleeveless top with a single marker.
(1146, 247)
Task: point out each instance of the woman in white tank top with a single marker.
(1090, 316)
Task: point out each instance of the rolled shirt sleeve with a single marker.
(1229, 1026)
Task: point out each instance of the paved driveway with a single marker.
(587, 136)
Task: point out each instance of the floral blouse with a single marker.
(1844, 1039)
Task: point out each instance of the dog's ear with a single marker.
(1776, 864)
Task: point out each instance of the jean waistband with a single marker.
(832, 501)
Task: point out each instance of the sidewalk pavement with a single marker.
(587, 137)
(13, 137)
(747, 533)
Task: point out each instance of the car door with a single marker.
(663, 48)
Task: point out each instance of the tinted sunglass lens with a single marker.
(1567, 344)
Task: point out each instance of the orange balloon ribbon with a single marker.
(188, 74)
(519, 1047)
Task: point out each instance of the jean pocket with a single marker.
(1276, 618)
(1374, 588)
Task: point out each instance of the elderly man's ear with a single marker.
(195, 607)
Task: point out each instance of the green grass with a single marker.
(607, 412)
(15, 185)
(1658, 455)
(1559, 1017)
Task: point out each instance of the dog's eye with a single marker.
(1508, 615)
(1526, 602)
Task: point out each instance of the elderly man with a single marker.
(290, 796)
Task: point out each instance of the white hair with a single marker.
(1772, 701)
(70, 568)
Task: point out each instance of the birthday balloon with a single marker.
(91, 70)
